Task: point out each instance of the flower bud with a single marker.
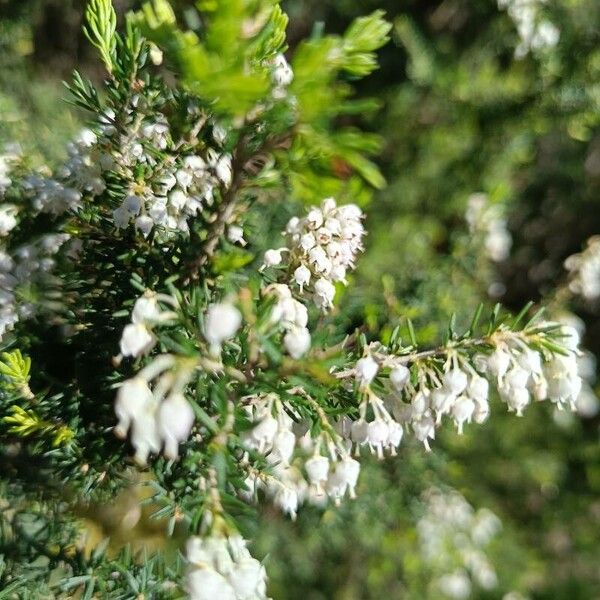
(399, 377)
(366, 369)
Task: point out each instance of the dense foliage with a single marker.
(237, 365)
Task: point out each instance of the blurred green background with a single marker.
(477, 97)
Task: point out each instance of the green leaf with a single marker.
(362, 38)
(100, 29)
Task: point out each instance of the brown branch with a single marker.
(223, 215)
(240, 166)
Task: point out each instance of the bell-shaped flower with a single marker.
(175, 421)
(136, 340)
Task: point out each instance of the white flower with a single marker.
(324, 293)
(146, 309)
(136, 340)
(8, 220)
(323, 237)
(144, 435)
(498, 242)
(584, 270)
(517, 398)
(282, 72)
(133, 204)
(235, 234)
(395, 434)
(441, 402)
(283, 446)
(478, 388)
(455, 381)
(272, 258)
(378, 433)
(462, 411)
(121, 217)
(540, 389)
(297, 341)
(290, 313)
(263, 434)
(221, 568)
(221, 323)
(424, 428)
(498, 363)
(247, 579)
(564, 383)
(224, 170)
(307, 241)
(319, 260)
(455, 585)
(366, 368)
(286, 499)
(486, 219)
(399, 377)
(302, 276)
(328, 205)
(359, 431)
(204, 583)
(531, 361)
(135, 407)
(293, 226)
(323, 246)
(420, 402)
(517, 377)
(314, 218)
(343, 478)
(338, 273)
(144, 224)
(175, 420)
(178, 199)
(317, 469)
(133, 396)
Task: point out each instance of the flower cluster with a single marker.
(155, 417)
(584, 270)
(25, 269)
(535, 32)
(452, 539)
(323, 246)
(8, 219)
(51, 195)
(222, 568)
(487, 221)
(458, 387)
(81, 174)
(328, 472)
(292, 316)
(175, 185)
(375, 428)
(587, 403)
(8, 158)
(151, 406)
